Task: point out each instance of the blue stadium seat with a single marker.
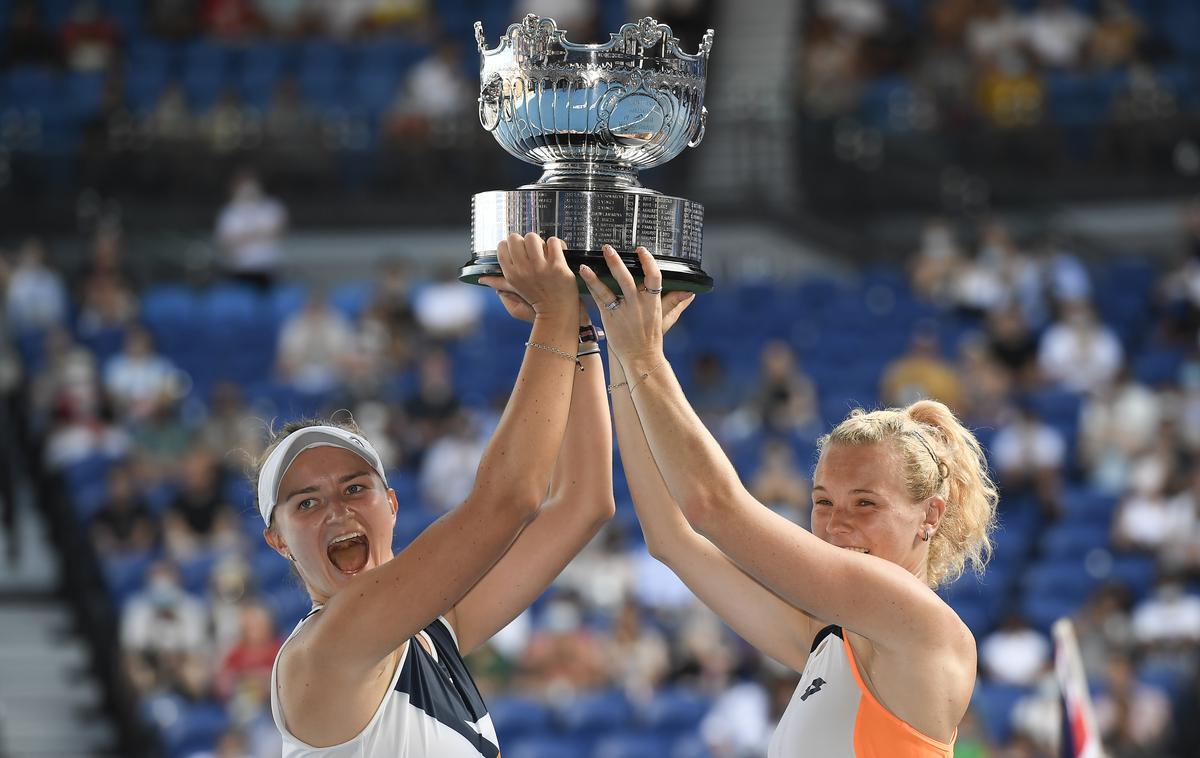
(144, 87)
(1158, 366)
(31, 87)
(1074, 540)
(195, 571)
(544, 746)
(1137, 572)
(595, 713)
(271, 572)
(995, 702)
(150, 54)
(288, 605)
(1059, 578)
(631, 746)
(674, 710)
(1042, 610)
(1086, 506)
(352, 298)
(689, 746)
(197, 729)
(169, 305)
(124, 574)
(84, 92)
(518, 717)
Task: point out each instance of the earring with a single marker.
(927, 533)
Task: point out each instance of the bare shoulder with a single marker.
(322, 704)
(928, 686)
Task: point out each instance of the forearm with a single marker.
(583, 471)
(521, 455)
(692, 464)
(663, 526)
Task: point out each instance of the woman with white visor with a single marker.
(376, 667)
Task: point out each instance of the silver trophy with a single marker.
(591, 116)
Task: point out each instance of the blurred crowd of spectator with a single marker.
(1008, 64)
(1078, 375)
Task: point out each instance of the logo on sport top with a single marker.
(813, 688)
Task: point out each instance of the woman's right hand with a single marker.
(538, 272)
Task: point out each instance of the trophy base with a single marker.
(671, 228)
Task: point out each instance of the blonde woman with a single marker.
(901, 503)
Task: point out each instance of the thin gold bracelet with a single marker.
(556, 351)
(614, 387)
(644, 375)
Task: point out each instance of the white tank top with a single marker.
(834, 715)
(432, 708)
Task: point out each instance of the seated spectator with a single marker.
(780, 484)
(78, 433)
(1078, 352)
(564, 657)
(139, 380)
(289, 124)
(1029, 456)
(1058, 33)
(1065, 278)
(1118, 35)
(171, 121)
(250, 231)
(1013, 343)
(229, 431)
(1181, 548)
(1103, 626)
(447, 310)
(434, 404)
(1015, 653)
(107, 306)
(228, 124)
(446, 476)
(712, 392)
(253, 655)
(232, 743)
(1145, 519)
(1008, 93)
(67, 380)
(230, 20)
(995, 30)
(936, 263)
(315, 346)
(435, 90)
(739, 722)
(29, 42)
(1134, 718)
(1000, 274)
(1118, 422)
(1168, 621)
(637, 653)
(986, 384)
(160, 442)
(199, 518)
(161, 626)
(36, 298)
(284, 18)
(921, 373)
(785, 400)
(124, 525)
(1181, 287)
(89, 37)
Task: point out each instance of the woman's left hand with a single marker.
(516, 305)
(634, 327)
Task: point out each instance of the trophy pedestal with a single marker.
(671, 228)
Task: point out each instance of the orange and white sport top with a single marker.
(834, 715)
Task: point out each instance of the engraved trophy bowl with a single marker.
(592, 115)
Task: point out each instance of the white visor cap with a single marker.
(284, 454)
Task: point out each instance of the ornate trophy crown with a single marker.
(592, 114)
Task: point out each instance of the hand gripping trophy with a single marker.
(592, 115)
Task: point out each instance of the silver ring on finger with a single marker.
(654, 290)
(615, 304)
